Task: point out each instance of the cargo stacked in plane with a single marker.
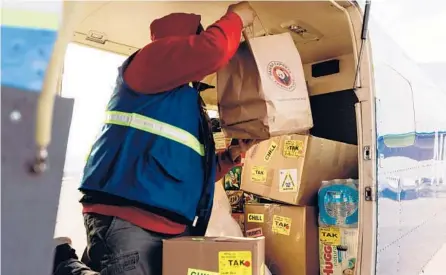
(289, 169)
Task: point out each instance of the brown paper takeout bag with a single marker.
(262, 92)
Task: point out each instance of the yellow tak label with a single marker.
(269, 154)
(235, 263)
(330, 235)
(258, 174)
(193, 271)
(281, 225)
(293, 148)
(257, 218)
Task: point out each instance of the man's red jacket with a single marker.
(176, 56)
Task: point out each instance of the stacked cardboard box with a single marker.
(212, 256)
(291, 236)
(289, 170)
(273, 197)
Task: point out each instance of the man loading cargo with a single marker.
(151, 172)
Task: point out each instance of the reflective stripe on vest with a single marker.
(155, 127)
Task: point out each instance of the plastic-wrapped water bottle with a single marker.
(338, 203)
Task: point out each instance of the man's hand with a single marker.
(244, 11)
(246, 144)
(232, 156)
(243, 146)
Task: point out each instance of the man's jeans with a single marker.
(117, 247)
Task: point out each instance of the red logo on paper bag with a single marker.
(281, 75)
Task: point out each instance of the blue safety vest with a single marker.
(151, 150)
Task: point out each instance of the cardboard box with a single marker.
(291, 237)
(291, 168)
(214, 255)
(338, 249)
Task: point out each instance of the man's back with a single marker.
(137, 189)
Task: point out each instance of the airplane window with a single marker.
(89, 77)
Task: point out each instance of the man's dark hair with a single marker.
(215, 125)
